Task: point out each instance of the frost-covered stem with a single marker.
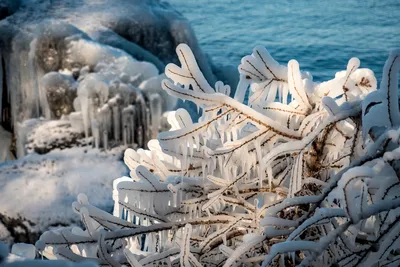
(128, 233)
(389, 85)
(374, 209)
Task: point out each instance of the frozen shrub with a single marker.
(305, 173)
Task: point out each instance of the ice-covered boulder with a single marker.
(51, 50)
(48, 135)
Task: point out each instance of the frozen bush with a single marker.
(305, 174)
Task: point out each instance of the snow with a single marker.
(41, 188)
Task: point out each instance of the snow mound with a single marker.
(37, 190)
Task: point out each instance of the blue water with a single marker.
(322, 35)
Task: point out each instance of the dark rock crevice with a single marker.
(19, 229)
(5, 120)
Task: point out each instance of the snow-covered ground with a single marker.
(39, 189)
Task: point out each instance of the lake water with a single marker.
(322, 35)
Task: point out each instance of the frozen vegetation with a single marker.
(303, 173)
(280, 171)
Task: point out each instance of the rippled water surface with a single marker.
(322, 35)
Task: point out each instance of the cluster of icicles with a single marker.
(130, 119)
(311, 179)
(112, 99)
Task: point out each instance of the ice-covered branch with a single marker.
(305, 174)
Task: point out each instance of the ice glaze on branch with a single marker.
(304, 174)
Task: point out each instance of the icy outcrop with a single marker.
(53, 53)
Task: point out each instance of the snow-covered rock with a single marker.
(49, 50)
(32, 186)
(53, 134)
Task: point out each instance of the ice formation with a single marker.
(53, 52)
(101, 99)
(304, 174)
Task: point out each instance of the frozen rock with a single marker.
(48, 48)
(60, 91)
(49, 135)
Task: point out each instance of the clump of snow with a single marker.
(40, 189)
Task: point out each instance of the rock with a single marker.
(49, 135)
(8, 7)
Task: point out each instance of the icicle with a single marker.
(132, 124)
(156, 113)
(140, 135)
(96, 133)
(126, 124)
(116, 117)
(147, 125)
(35, 97)
(105, 139)
(85, 104)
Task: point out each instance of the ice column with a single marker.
(156, 112)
